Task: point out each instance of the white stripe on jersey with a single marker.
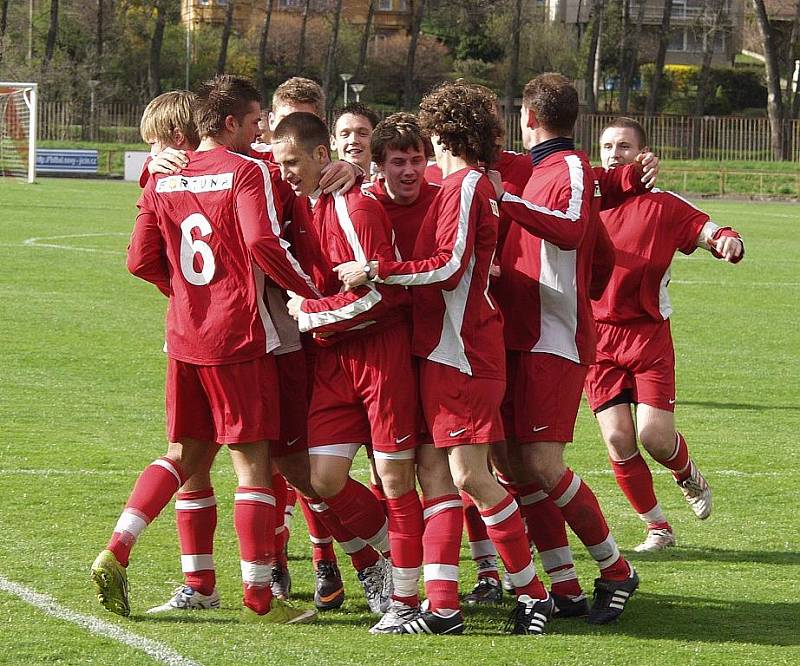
(270, 332)
(311, 320)
(573, 211)
(558, 302)
(274, 222)
(454, 263)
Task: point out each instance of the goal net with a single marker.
(18, 130)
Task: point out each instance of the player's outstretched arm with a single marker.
(147, 259)
(261, 231)
(339, 176)
(723, 242)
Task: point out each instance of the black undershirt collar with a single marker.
(547, 148)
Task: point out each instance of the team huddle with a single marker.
(431, 297)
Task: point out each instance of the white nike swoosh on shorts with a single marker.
(540, 428)
(456, 433)
(292, 441)
(400, 440)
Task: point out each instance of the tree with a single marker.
(52, 34)
(591, 58)
(512, 80)
(362, 51)
(793, 50)
(262, 52)
(3, 25)
(330, 65)
(98, 43)
(227, 27)
(629, 53)
(774, 93)
(661, 56)
(301, 53)
(409, 93)
(156, 42)
(710, 22)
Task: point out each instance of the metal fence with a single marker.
(724, 138)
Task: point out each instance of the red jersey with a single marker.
(197, 237)
(647, 231)
(351, 226)
(456, 322)
(546, 259)
(405, 219)
(515, 170)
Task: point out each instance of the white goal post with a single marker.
(18, 123)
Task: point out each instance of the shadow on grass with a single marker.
(671, 617)
(694, 553)
(740, 406)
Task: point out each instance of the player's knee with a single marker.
(327, 485)
(657, 440)
(621, 444)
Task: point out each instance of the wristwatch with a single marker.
(368, 271)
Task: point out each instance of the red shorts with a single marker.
(543, 397)
(227, 404)
(460, 409)
(365, 391)
(638, 358)
(293, 386)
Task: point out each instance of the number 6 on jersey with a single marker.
(190, 247)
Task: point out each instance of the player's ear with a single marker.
(231, 124)
(178, 139)
(333, 143)
(271, 121)
(532, 121)
(320, 154)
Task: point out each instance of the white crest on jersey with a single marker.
(207, 183)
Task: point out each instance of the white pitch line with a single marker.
(36, 242)
(591, 472)
(739, 285)
(50, 606)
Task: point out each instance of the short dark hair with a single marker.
(357, 109)
(304, 129)
(554, 100)
(400, 131)
(629, 123)
(224, 95)
(463, 117)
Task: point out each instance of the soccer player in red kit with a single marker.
(546, 268)
(203, 239)
(635, 358)
(458, 337)
(352, 130)
(364, 387)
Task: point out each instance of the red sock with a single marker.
(358, 510)
(361, 554)
(406, 527)
(679, 462)
(582, 512)
(548, 530)
(153, 490)
(480, 545)
(279, 490)
(318, 532)
(380, 496)
(635, 480)
(507, 532)
(441, 544)
(196, 516)
(254, 520)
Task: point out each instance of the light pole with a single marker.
(357, 88)
(345, 78)
(93, 83)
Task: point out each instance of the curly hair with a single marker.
(400, 131)
(463, 117)
(554, 100)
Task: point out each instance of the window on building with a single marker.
(385, 5)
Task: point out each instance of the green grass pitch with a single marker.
(81, 413)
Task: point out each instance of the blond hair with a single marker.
(168, 112)
(299, 90)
